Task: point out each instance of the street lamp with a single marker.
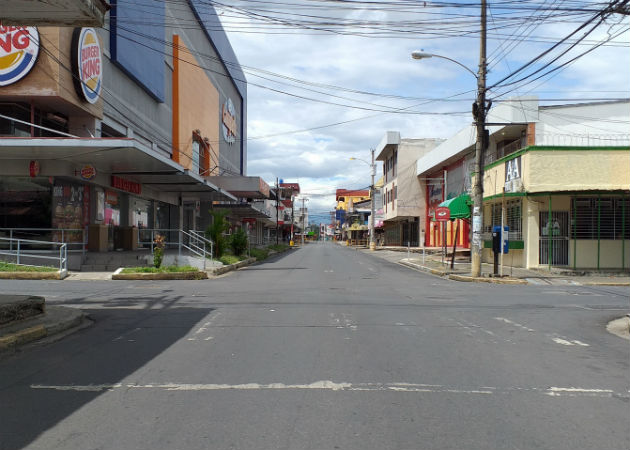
(372, 192)
(479, 113)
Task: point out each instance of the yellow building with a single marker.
(562, 187)
(565, 206)
(345, 198)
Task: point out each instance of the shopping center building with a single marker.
(128, 126)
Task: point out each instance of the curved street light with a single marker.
(417, 54)
(479, 114)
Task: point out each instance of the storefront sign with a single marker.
(87, 64)
(88, 172)
(33, 169)
(126, 185)
(513, 181)
(229, 122)
(19, 47)
(442, 214)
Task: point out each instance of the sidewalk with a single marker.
(431, 262)
(53, 323)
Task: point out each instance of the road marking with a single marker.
(560, 340)
(327, 385)
(503, 319)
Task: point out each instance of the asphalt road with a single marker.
(322, 348)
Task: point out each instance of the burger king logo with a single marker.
(87, 64)
(19, 47)
(88, 172)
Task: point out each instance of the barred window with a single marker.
(601, 218)
(513, 218)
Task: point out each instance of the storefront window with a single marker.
(25, 202)
(140, 212)
(70, 209)
(112, 208)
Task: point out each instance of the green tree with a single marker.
(215, 231)
(239, 242)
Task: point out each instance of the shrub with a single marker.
(278, 247)
(215, 231)
(239, 242)
(259, 253)
(158, 251)
(229, 259)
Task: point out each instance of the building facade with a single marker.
(120, 127)
(404, 204)
(557, 176)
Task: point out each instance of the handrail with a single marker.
(197, 247)
(19, 253)
(201, 236)
(65, 232)
(192, 241)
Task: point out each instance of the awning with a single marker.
(357, 227)
(459, 206)
(240, 211)
(122, 157)
(242, 186)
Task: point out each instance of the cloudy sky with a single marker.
(327, 79)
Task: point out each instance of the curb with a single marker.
(464, 278)
(231, 267)
(11, 341)
(437, 272)
(30, 276)
(199, 275)
(606, 283)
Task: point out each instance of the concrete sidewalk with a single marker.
(431, 262)
(53, 323)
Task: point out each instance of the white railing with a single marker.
(76, 239)
(23, 250)
(199, 236)
(193, 241)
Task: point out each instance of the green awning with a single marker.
(459, 206)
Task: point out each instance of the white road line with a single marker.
(327, 385)
(503, 319)
(562, 341)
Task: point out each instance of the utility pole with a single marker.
(303, 214)
(372, 195)
(277, 206)
(479, 113)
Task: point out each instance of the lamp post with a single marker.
(479, 113)
(372, 192)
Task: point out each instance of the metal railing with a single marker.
(193, 241)
(76, 239)
(199, 237)
(23, 251)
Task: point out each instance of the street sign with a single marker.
(442, 214)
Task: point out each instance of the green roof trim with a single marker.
(459, 206)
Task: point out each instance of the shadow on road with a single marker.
(119, 343)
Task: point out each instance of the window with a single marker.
(600, 218)
(513, 218)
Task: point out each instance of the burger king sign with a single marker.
(19, 47)
(87, 64)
